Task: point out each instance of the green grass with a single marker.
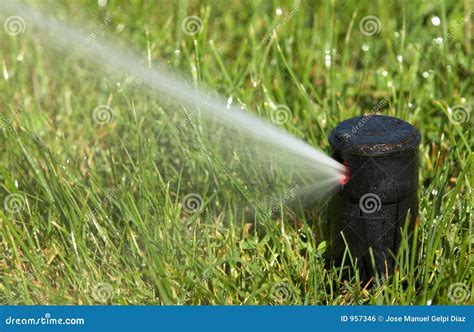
(101, 219)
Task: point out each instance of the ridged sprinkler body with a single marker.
(378, 192)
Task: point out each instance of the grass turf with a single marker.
(93, 213)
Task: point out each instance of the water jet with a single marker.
(378, 194)
(239, 138)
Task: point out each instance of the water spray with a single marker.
(275, 154)
(378, 196)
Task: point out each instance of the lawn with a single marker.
(108, 197)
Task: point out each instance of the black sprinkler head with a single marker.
(378, 192)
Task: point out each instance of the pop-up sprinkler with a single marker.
(378, 191)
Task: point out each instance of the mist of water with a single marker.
(243, 135)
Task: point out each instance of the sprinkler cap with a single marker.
(374, 135)
(381, 155)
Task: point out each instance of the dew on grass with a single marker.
(6, 76)
(229, 102)
(327, 58)
(435, 20)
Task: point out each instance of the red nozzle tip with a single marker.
(347, 175)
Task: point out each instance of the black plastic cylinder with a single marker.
(381, 156)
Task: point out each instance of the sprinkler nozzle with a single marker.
(347, 174)
(378, 193)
